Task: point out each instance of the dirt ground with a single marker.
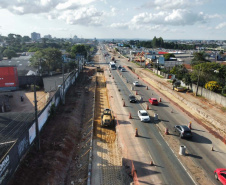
(63, 158)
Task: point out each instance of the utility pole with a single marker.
(63, 84)
(157, 66)
(36, 119)
(196, 93)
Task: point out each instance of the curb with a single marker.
(91, 141)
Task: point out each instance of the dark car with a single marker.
(183, 131)
(132, 99)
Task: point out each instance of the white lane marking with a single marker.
(179, 160)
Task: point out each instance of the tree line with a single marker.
(160, 43)
(48, 55)
(209, 75)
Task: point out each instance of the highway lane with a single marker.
(167, 165)
(199, 146)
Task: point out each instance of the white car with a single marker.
(143, 115)
(136, 83)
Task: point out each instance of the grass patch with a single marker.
(223, 95)
(159, 76)
(170, 81)
(223, 109)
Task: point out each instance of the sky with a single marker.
(116, 19)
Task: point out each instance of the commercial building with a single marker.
(35, 36)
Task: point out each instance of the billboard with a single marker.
(161, 60)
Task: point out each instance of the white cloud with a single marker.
(41, 6)
(73, 4)
(119, 25)
(221, 25)
(82, 16)
(176, 17)
(175, 4)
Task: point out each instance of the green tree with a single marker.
(187, 79)
(179, 71)
(78, 49)
(199, 57)
(168, 55)
(9, 53)
(48, 59)
(26, 39)
(154, 42)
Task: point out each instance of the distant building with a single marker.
(35, 36)
(47, 37)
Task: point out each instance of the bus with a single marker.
(112, 65)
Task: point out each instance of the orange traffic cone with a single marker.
(166, 131)
(136, 133)
(136, 93)
(147, 107)
(160, 100)
(151, 163)
(130, 117)
(189, 125)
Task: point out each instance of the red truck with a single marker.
(8, 76)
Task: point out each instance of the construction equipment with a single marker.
(99, 69)
(107, 118)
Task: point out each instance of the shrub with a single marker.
(32, 88)
(212, 86)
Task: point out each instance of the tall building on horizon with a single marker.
(48, 36)
(35, 36)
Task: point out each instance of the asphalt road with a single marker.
(199, 147)
(168, 167)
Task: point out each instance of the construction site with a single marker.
(74, 138)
